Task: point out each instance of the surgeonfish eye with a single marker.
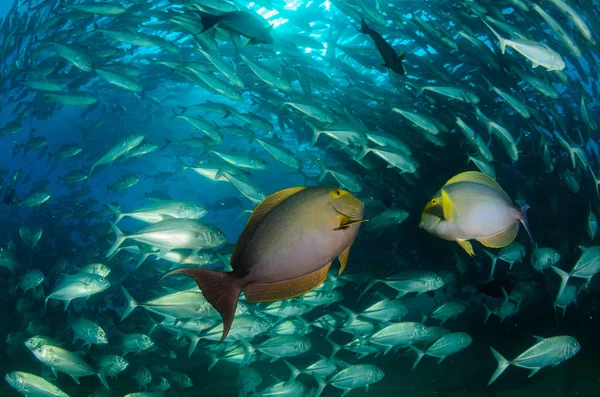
(337, 193)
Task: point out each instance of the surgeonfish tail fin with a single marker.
(119, 238)
(502, 365)
(131, 305)
(564, 279)
(220, 289)
(420, 355)
(524, 222)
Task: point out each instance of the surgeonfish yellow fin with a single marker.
(345, 222)
(343, 258)
(287, 289)
(501, 239)
(481, 178)
(464, 244)
(448, 207)
(260, 212)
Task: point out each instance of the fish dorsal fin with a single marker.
(481, 178)
(538, 338)
(501, 239)
(448, 207)
(258, 215)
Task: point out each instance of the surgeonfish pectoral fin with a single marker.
(343, 258)
(347, 222)
(466, 245)
(448, 207)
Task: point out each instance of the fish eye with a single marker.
(434, 201)
(220, 232)
(337, 192)
(39, 349)
(576, 344)
(439, 279)
(101, 279)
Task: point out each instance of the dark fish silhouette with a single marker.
(392, 60)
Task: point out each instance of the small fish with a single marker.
(458, 213)
(546, 352)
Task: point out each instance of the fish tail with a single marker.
(213, 360)
(119, 239)
(250, 350)
(362, 154)
(183, 109)
(322, 168)
(502, 365)
(321, 385)
(364, 28)
(142, 259)
(167, 143)
(564, 279)
(294, 370)
(194, 339)
(153, 323)
(335, 346)
(220, 289)
(182, 165)
(351, 316)
(500, 38)
(116, 212)
(420, 355)
(488, 313)
(208, 20)
(315, 137)
(494, 261)
(131, 305)
(369, 286)
(524, 221)
(175, 114)
(103, 380)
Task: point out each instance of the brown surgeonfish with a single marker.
(285, 249)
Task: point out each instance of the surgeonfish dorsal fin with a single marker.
(448, 207)
(260, 212)
(481, 178)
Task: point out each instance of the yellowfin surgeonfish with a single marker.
(472, 206)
